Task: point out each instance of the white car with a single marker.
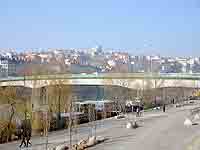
(156, 108)
(120, 116)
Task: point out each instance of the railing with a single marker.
(176, 76)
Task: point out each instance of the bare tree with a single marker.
(13, 97)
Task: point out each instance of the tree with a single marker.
(59, 96)
(11, 96)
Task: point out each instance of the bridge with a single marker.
(179, 85)
(128, 80)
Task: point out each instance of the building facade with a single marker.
(7, 67)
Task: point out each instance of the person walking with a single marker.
(29, 133)
(24, 135)
(28, 139)
(164, 108)
(137, 111)
(26, 132)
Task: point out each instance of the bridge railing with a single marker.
(194, 76)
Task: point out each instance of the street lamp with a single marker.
(59, 107)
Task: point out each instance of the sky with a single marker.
(166, 27)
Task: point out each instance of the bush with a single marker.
(148, 106)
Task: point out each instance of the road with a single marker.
(160, 133)
(157, 131)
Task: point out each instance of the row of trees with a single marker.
(15, 103)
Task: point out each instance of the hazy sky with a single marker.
(168, 27)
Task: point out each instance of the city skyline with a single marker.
(169, 28)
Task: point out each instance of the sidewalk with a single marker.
(102, 126)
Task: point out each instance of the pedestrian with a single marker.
(137, 111)
(24, 135)
(173, 101)
(141, 110)
(28, 140)
(164, 108)
(29, 133)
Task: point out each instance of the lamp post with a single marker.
(59, 107)
(155, 92)
(70, 124)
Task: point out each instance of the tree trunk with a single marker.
(9, 136)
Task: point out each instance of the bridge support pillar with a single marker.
(36, 115)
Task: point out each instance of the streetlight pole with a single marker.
(59, 109)
(70, 125)
(155, 92)
(47, 118)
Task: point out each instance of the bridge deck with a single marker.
(107, 76)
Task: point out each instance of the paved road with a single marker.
(157, 131)
(165, 133)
